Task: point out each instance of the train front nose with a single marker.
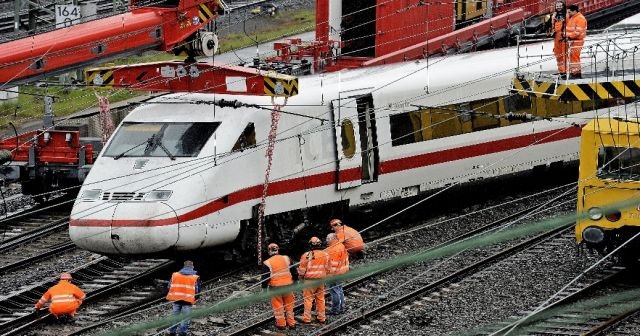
(124, 228)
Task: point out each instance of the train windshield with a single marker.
(620, 163)
(144, 139)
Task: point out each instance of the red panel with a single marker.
(439, 44)
(55, 150)
(322, 20)
(163, 76)
(403, 23)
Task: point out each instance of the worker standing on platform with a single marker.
(280, 275)
(576, 32)
(558, 27)
(338, 264)
(314, 265)
(183, 287)
(350, 237)
(65, 299)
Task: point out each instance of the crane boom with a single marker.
(168, 28)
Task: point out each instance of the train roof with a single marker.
(617, 120)
(632, 22)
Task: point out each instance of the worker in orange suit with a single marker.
(65, 298)
(558, 27)
(278, 275)
(338, 264)
(348, 236)
(183, 287)
(314, 265)
(576, 32)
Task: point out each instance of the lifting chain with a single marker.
(271, 141)
(106, 123)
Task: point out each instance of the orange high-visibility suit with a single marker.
(314, 265)
(338, 258)
(65, 299)
(351, 239)
(576, 31)
(559, 45)
(281, 276)
(183, 287)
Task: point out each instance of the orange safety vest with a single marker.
(183, 287)
(314, 265)
(557, 28)
(65, 298)
(577, 27)
(351, 239)
(338, 258)
(279, 267)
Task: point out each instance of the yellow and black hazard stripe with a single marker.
(280, 86)
(577, 91)
(205, 13)
(99, 77)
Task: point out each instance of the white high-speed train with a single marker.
(181, 174)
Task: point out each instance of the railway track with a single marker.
(362, 289)
(26, 227)
(33, 236)
(153, 301)
(99, 278)
(375, 317)
(557, 320)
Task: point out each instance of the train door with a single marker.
(355, 138)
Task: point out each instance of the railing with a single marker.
(610, 53)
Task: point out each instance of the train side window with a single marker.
(348, 138)
(246, 139)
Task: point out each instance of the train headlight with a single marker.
(158, 195)
(91, 195)
(613, 215)
(593, 235)
(595, 213)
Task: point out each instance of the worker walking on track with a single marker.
(350, 237)
(576, 32)
(183, 287)
(558, 27)
(279, 275)
(65, 299)
(338, 264)
(314, 265)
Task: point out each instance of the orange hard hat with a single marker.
(65, 276)
(273, 247)
(335, 221)
(315, 241)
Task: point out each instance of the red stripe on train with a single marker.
(328, 178)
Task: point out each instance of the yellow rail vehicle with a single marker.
(609, 186)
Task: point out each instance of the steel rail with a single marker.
(90, 272)
(134, 309)
(464, 272)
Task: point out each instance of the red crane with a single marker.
(170, 28)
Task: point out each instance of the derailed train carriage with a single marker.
(181, 173)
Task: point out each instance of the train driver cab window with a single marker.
(620, 163)
(348, 138)
(154, 139)
(246, 139)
